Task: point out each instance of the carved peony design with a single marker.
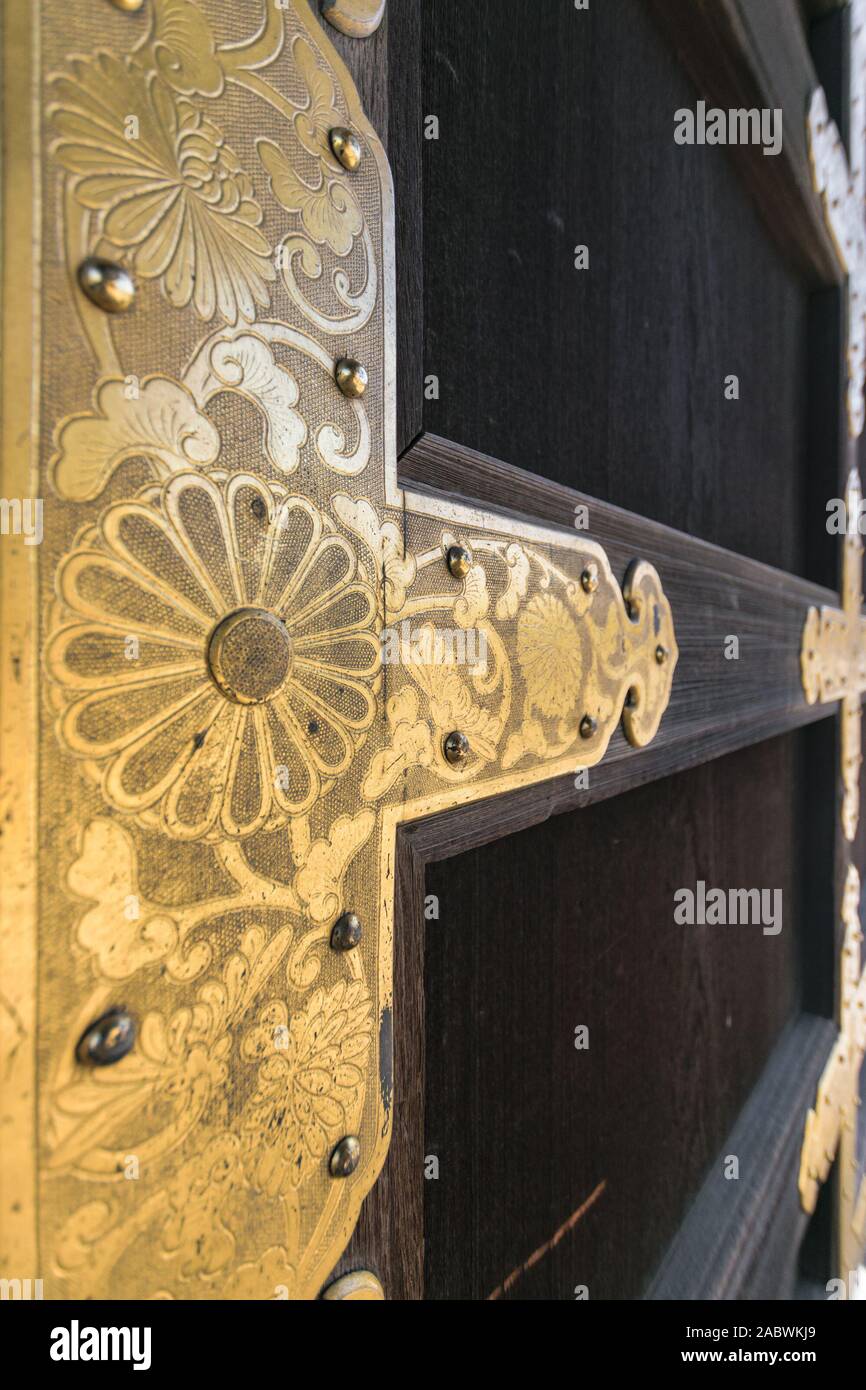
(328, 209)
(215, 655)
(159, 419)
(170, 191)
(310, 1082)
(548, 650)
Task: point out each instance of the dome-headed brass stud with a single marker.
(130, 5)
(459, 561)
(347, 932)
(351, 377)
(108, 285)
(456, 748)
(346, 1157)
(107, 1040)
(589, 578)
(588, 726)
(661, 655)
(346, 147)
(359, 1286)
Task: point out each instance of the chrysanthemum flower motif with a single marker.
(548, 650)
(216, 654)
(310, 1082)
(170, 190)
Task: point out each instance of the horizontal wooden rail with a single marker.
(717, 705)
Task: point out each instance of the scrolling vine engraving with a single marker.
(236, 552)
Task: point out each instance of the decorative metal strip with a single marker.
(833, 665)
(259, 655)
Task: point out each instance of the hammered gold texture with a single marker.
(251, 652)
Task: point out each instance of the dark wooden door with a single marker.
(534, 1160)
(431, 702)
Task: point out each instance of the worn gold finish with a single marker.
(237, 658)
(831, 1128)
(459, 560)
(357, 1287)
(833, 665)
(357, 18)
(108, 285)
(833, 659)
(346, 147)
(351, 377)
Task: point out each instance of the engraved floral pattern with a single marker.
(171, 194)
(309, 1082)
(141, 598)
(548, 649)
(212, 648)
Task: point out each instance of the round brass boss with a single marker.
(108, 1039)
(347, 932)
(351, 377)
(250, 655)
(346, 147)
(107, 285)
(456, 748)
(346, 1157)
(459, 561)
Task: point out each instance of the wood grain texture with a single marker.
(754, 53)
(557, 130)
(572, 923)
(716, 704)
(741, 1236)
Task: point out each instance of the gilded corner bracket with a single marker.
(258, 655)
(833, 668)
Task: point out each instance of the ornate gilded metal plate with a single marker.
(833, 666)
(242, 650)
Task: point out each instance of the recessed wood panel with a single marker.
(556, 128)
(572, 923)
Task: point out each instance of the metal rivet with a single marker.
(108, 285)
(108, 1039)
(347, 932)
(346, 1157)
(459, 561)
(588, 726)
(356, 1287)
(661, 655)
(589, 579)
(350, 376)
(346, 147)
(456, 748)
(130, 5)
